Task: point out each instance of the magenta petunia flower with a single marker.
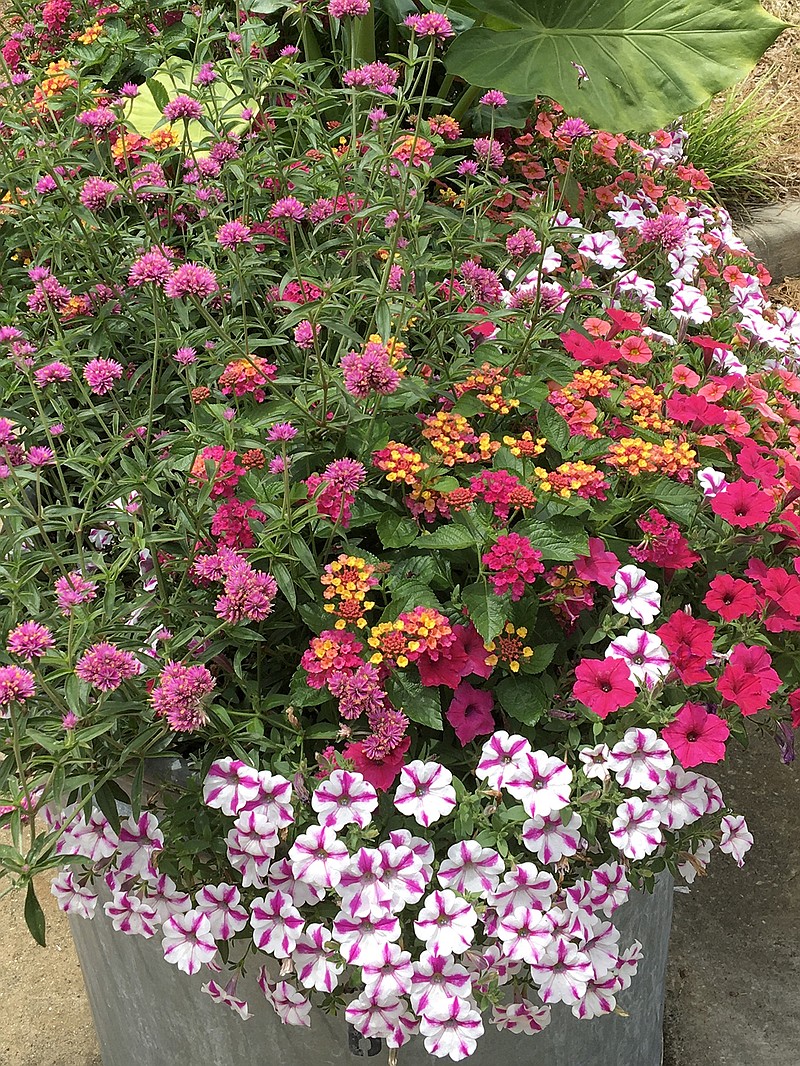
(696, 736)
(743, 504)
(604, 685)
(470, 713)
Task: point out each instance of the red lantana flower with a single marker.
(604, 685)
(743, 504)
(730, 598)
(696, 736)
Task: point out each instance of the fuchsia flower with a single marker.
(696, 736)
(524, 887)
(599, 565)
(361, 887)
(291, 1006)
(470, 713)
(604, 685)
(425, 792)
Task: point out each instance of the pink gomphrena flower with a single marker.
(314, 959)
(281, 431)
(339, 9)
(318, 857)
(101, 375)
(305, 334)
(736, 838)
(274, 799)
(249, 595)
(222, 904)
(105, 666)
(644, 654)
(370, 371)
(680, 799)
(300, 893)
(131, 915)
(425, 792)
(191, 279)
(550, 839)
(388, 976)
(227, 996)
(345, 798)
(361, 940)
(139, 839)
(163, 896)
(636, 829)
(404, 874)
(436, 979)
(185, 356)
(595, 762)
(451, 1030)
(493, 98)
(183, 107)
(230, 785)
(291, 1006)
(501, 759)
(251, 866)
(188, 943)
(276, 924)
(233, 234)
(524, 886)
(513, 563)
(446, 923)
(640, 759)
(470, 868)
(374, 1018)
(542, 783)
(288, 207)
(16, 686)
(154, 266)
(361, 886)
(52, 373)
(609, 887)
(71, 896)
(431, 24)
(636, 595)
(38, 456)
(521, 1017)
(562, 974)
(526, 934)
(182, 694)
(96, 839)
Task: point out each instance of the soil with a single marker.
(44, 1016)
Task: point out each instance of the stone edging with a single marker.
(773, 235)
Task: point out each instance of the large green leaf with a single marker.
(647, 61)
(420, 704)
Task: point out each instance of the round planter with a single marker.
(147, 1013)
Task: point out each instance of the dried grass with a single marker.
(778, 77)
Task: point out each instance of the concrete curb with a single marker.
(773, 235)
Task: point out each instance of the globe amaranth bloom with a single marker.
(181, 696)
(105, 666)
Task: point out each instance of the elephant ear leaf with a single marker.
(646, 61)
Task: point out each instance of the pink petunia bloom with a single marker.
(71, 896)
(604, 685)
(163, 896)
(542, 783)
(405, 874)
(131, 915)
(526, 934)
(425, 792)
(446, 923)
(188, 942)
(600, 565)
(436, 979)
(388, 976)
(361, 885)
(609, 887)
(743, 504)
(276, 924)
(453, 1030)
(470, 712)
(636, 828)
(522, 1016)
(314, 959)
(636, 595)
(344, 799)
(470, 868)
(222, 904)
(227, 996)
(291, 1006)
(696, 736)
(230, 785)
(524, 886)
(550, 838)
(502, 758)
(562, 974)
(731, 598)
(361, 940)
(645, 655)
(318, 857)
(736, 838)
(640, 759)
(680, 799)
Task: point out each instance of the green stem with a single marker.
(465, 102)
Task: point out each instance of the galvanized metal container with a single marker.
(149, 1014)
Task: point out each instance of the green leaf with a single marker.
(395, 530)
(647, 61)
(407, 595)
(487, 610)
(34, 916)
(421, 704)
(554, 427)
(540, 660)
(448, 537)
(301, 694)
(158, 92)
(284, 582)
(560, 541)
(523, 698)
(678, 501)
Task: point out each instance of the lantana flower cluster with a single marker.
(425, 485)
